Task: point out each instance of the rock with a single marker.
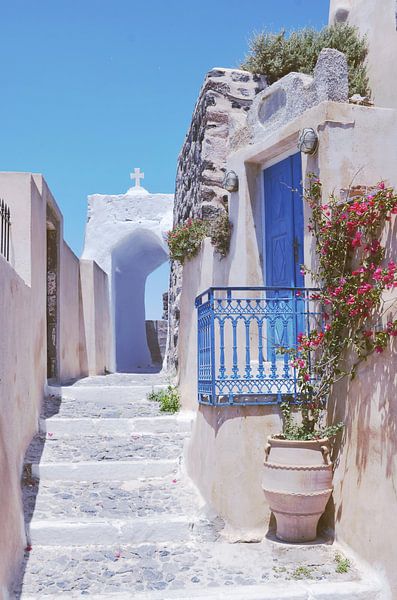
(361, 100)
(220, 111)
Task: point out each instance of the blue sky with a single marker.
(92, 88)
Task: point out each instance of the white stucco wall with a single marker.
(125, 235)
(378, 21)
(23, 341)
(356, 145)
(22, 359)
(19, 409)
(71, 336)
(95, 319)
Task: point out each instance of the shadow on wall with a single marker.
(133, 259)
(365, 479)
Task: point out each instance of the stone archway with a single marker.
(133, 259)
(125, 234)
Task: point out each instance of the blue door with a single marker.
(283, 248)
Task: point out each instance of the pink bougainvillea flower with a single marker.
(377, 275)
(174, 481)
(356, 241)
(365, 288)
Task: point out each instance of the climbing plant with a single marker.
(353, 275)
(277, 54)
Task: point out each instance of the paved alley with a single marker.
(110, 514)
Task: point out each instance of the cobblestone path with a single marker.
(109, 513)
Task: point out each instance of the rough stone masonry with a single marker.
(218, 122)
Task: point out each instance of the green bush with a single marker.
(168, 399)
(277, 54)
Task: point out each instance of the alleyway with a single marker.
(111, 515)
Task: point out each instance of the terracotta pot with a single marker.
(297, 482)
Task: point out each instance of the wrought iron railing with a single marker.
(241, 332)
(5, 225)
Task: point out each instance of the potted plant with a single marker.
(353, 272)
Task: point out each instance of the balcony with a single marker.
(240, 333)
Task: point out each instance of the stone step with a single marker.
(121, 380)
(366, 590)
(100, 408)
(52, 448)
(112, 531)
(99, 392)
(202, 570)
(51, 500)
(101, 402)
(116, 426)
(103, 470)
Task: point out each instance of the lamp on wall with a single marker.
(230, 182)
(308, 141)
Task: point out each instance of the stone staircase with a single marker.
(109, 513)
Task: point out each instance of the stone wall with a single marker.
(219, 118)
(156, 334)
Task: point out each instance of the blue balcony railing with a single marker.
(240, 332)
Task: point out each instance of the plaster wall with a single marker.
(125, 235)
(356, 146)
(23, 342)
(377, 19)
(22, 355)
(96, 345)
(15, 191)
(72, 361)
(224, 456)
(18, 413)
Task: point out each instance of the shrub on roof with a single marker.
(277, 54)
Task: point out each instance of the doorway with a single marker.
(136, 340)
(283, 239)
(52, 294)
(283, 251)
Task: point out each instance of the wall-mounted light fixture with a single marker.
(230, 182)
(308, 141)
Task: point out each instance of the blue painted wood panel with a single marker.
(283, 231)
(283, 247)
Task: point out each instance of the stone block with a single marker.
(296, 92)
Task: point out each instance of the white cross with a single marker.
(137, 175)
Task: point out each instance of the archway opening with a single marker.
(133, 259)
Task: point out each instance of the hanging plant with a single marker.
(184, 240)
(352, 276)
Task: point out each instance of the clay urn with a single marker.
(297, 482)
